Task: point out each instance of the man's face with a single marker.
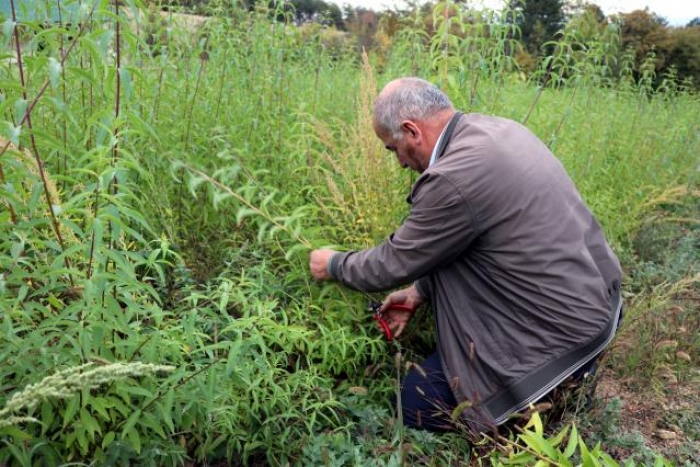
(406, 149)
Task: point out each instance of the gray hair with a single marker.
(412, 99)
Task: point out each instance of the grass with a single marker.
(186, 213)
(649, 396)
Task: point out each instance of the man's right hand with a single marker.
(318, 264)
(398, 319)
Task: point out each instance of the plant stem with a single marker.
(35, 149)
(65, 118)
(547, 75)
(563, 118)
(92, 237)
(200, 72)
(117, 96)
(13, 215)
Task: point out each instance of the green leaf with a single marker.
(118, 405)
(131, 422)
(536, 422)
(573, 441)
(54, 72)
(20, 109)
(243, 213)
(83, 443)
(16, 249)
(608, 461)
(521, 458)
(556, 441)
(126, 82)
(17, 434)
(48, 415)
(262, 230)
(166, 409)
(134, 440)
(193, 182)
(108, 439)
(71, 410)
(537, 442)
(586, 458)
(89, 423)
(137, 390)
(98, 232)
(219, 196)
(7, 28)
(98, 405)
(14, 134)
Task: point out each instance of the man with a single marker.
(524, 288)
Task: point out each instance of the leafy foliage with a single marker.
(539, 22)
(163, 177)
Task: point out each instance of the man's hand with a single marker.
(398, 319)
(318, 263)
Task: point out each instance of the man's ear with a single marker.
(411, 129)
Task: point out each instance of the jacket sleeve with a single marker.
(438, 229)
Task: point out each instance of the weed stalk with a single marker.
(35, 149)
(117, 96)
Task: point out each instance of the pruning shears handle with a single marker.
(379, 317)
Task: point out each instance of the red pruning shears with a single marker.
(374, 307)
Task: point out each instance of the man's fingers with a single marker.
(393, 299)
(396, 326)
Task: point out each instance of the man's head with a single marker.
(409, 115)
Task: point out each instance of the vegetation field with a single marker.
(162, 181)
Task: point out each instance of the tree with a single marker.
(319, 11)
(646, 33)
(577, 8)
(362, 23)
(539, 21)
(684, 55)
(587, 23)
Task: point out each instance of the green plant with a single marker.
(162, 178)
(566, 448)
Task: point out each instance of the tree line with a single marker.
(641, 40)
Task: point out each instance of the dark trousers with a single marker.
(426, 398)
(427, 401)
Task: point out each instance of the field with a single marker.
(163, 181)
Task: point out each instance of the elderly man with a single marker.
(523, 285)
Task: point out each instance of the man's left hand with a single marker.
(318, 263)
(397, 320)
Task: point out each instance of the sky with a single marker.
(677, 12)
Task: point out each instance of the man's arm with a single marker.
(438, 229)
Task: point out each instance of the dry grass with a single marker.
(358, 173)
(653, 373)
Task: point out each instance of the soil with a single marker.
(662, 413)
